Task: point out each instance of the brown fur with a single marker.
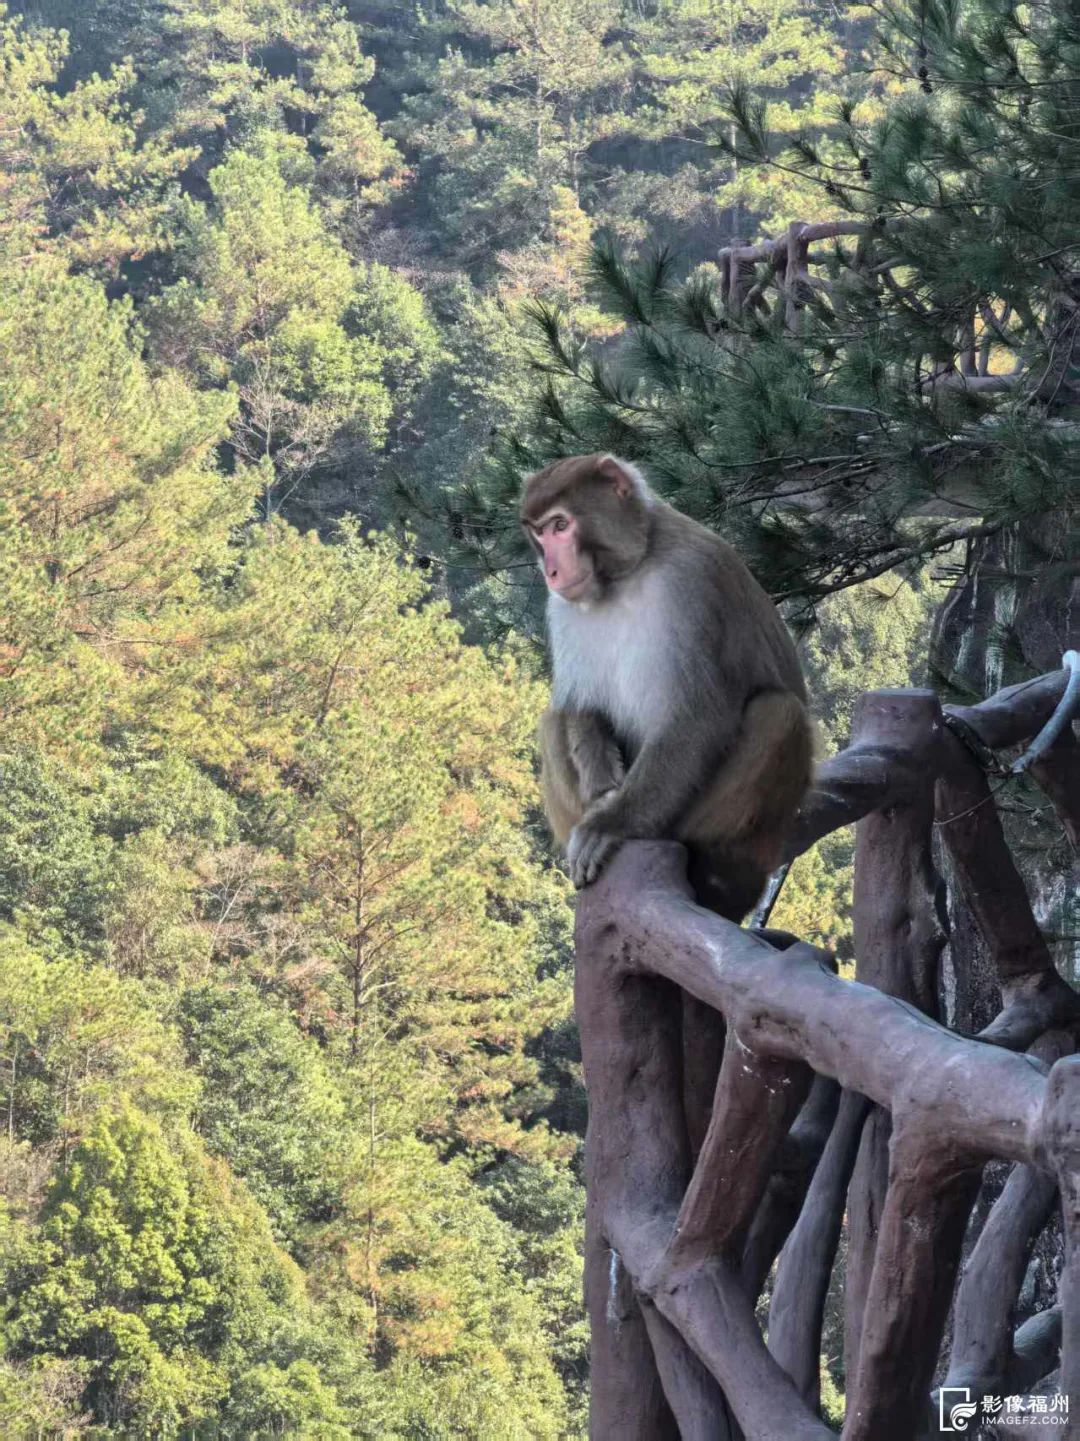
(617, 533)
(581, 762)
(726, 770)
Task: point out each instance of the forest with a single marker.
(292, 294)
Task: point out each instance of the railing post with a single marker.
(898, 941)
(637, 1166)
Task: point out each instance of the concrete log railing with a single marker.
(832, 1095)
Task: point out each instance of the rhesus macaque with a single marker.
(678, 708)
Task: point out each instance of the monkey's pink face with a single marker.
(567, 568)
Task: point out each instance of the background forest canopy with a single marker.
(290, 293)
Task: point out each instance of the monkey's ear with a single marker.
(625, 478)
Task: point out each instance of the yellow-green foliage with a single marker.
(832, 1398)
(289, 1096)
(278, 953)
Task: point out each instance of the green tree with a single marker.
(269, 1105)
(43, 1398)
(53, 869)
(320, 352)
(509, 113)
(452, 1304)
(111, 501)
(213, 71)
(531, 125)
(687, 57)
(74, 1035)
(79, 177)
(396, 764)
(153, 1267)
(389, 766)
(545, 1208)
(195, 76)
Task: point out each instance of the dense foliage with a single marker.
(283, 973)
(290, 1104)
(901, 379)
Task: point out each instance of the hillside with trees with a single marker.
(291, 292)
(283, 978)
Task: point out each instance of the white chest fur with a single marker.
(615, 657)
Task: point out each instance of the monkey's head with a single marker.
(587, 518)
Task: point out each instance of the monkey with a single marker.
(679, 709)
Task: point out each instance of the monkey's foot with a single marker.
(588, 852)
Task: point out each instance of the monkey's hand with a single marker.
(588, 852)
(665, 773)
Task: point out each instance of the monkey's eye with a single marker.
(561, 523)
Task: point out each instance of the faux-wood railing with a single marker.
(833, 1097)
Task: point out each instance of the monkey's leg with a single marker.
(736, 830)
(563, 804)
(735, 834)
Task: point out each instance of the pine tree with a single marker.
(687, 54)
(858, 395)
(322, 352)
(76, 175)
(518, 95)
(506, 104)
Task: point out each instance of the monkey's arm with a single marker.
(740, 799)
(666, 776)
(580, 761)
(595, 754)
